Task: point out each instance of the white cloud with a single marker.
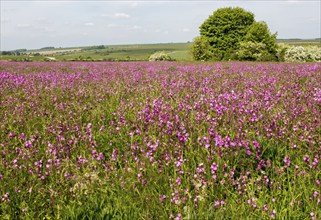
(89, 24)
(46, 29)
(127, 27)
(39, 29)
(313, 19)
(121, 15)
(133, 4)
(293, 2)
(23, 25)
(116, 26)
(135, 27)
(186, 30)
(41, 19)
(5, 20)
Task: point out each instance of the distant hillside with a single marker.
(129, 52)
(302, 42)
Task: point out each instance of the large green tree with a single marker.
(225, 29)
(233, 33)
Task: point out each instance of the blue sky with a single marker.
(36, 24)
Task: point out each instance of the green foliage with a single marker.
(232, 33)
(100, 47)
(160, 56)
(280, 51)
(301, 42)
(260, 33)
(303, 54)
(22, 59)
(225, 29)
(47, 48)
(253, 51)
(201, 49)
(13, 52)
(6, 53)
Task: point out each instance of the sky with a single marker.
(36, 24)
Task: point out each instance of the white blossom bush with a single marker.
(303, 54)
(314, 53)
(160, 56)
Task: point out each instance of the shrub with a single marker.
(260, 33)
(303, 54)
(314, 53)
(160, 56)
(201, 49)
(280, 51)
(254, 51)
(49, 59)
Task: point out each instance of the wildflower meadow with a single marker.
(160, 140)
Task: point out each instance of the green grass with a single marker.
(300, 42)
(132, 52)
(179, 51)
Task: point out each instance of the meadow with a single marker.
(130, 52)
(134, 52)
(301, 42)
(160, 140)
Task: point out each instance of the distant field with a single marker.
(49, 52)
(132, 52)
(300, 42)
(136, 52)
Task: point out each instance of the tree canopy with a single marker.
(228, 29)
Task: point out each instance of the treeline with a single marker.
(14, 52)
(99, 47)
(47, 48)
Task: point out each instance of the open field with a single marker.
(52, 52)
(160, 140)
(300, 42)
(134, 52)
(179, 51)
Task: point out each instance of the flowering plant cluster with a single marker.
(303, 54)
(160, 140)
(160, 56)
